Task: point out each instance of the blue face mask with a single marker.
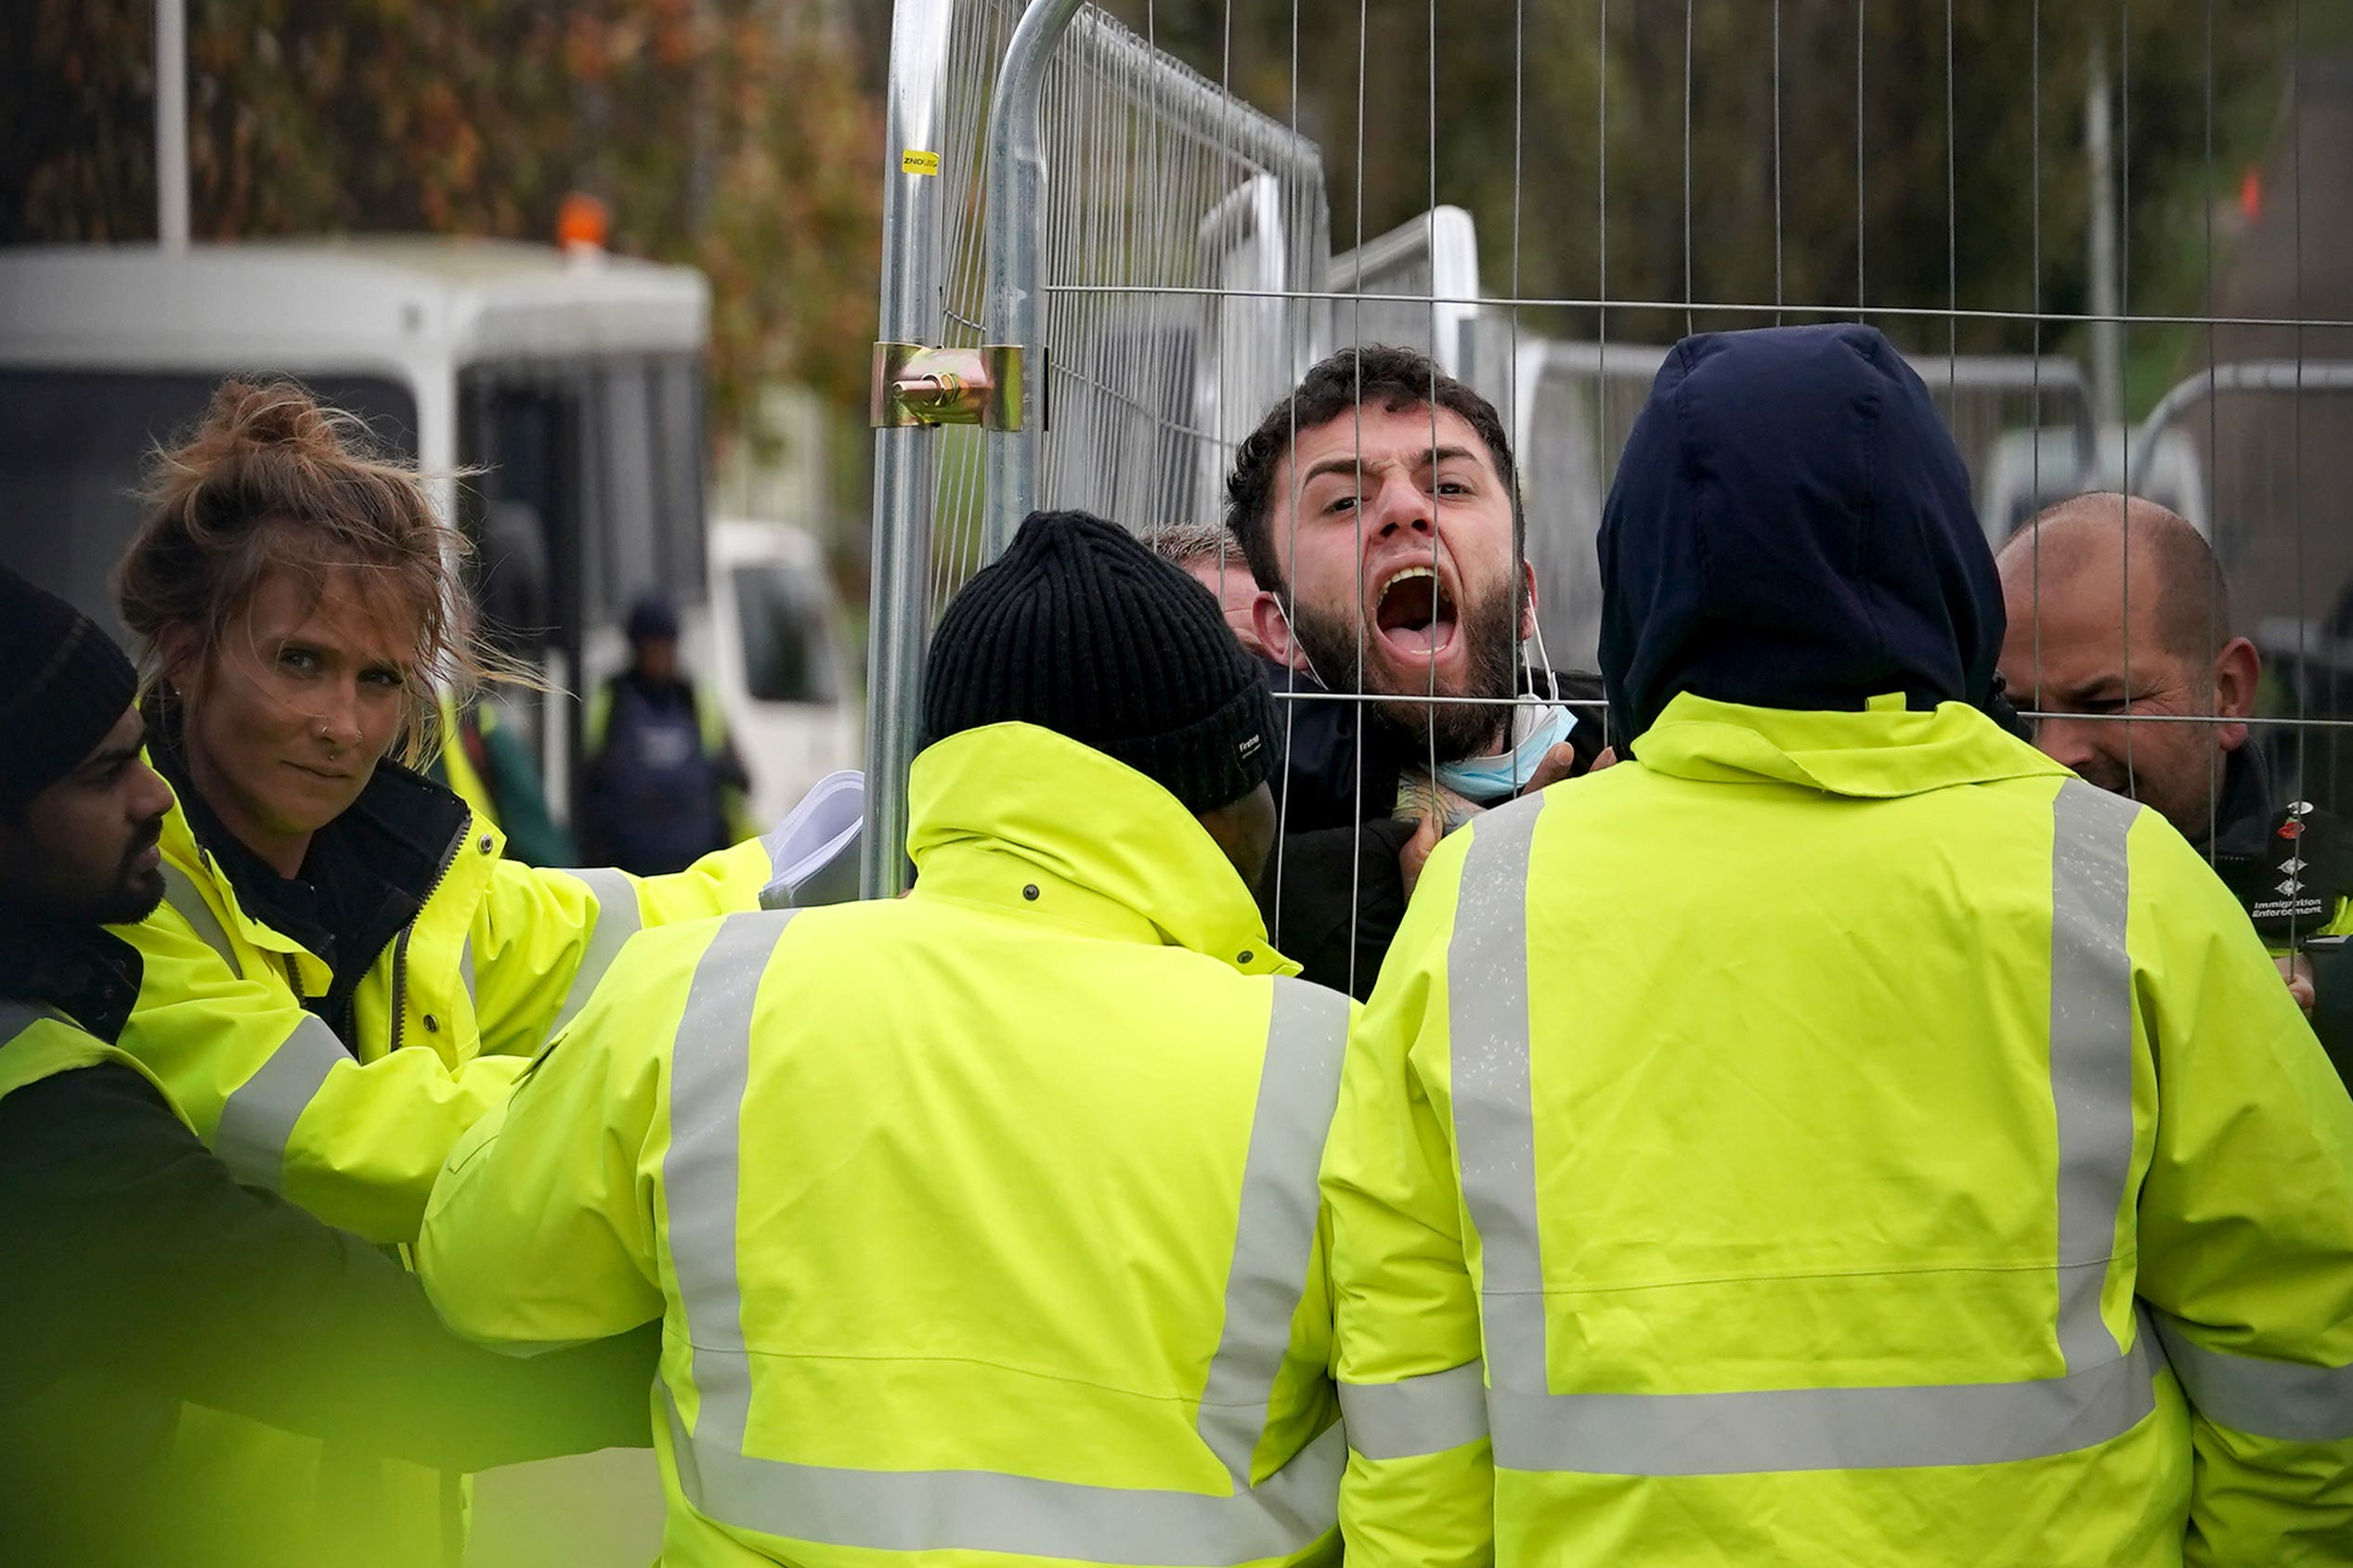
(1485, 779)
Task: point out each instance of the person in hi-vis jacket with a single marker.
(984, 1222)
(1837, 1132)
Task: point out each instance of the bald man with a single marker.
(2119, 611)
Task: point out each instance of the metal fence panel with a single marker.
(1159, 181)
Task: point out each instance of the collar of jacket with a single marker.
(85, 972)
(1883, 751)
(2244, 808)
(1008, 807)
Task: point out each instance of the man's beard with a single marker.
(135, 893)
(1451, 731)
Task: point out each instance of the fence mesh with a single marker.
(1189, 275)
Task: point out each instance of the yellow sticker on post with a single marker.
(917, 163)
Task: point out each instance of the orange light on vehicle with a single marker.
(2250, 195)
(581, 222)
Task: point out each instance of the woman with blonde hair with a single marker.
(346, 973)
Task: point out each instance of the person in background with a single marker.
(1209, 553)
(2091, 656)
(984, 1221)
(485, 766)
(1378, 507)
(345, 973)
(140, 1274)
(1822, 1118)
(665, 786)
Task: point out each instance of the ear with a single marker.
(1528, 602)
(1274, 630)
(178, 646)
(2238, 669)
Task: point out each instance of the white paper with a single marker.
(814, 850)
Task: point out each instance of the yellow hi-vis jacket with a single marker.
(982, 1224)
(498, 957)
(38, 1042)
(1850, 1138)
(465, 780)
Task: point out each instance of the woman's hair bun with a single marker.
(280, 413)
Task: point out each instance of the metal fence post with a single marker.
(905, 460)
(1016, 219)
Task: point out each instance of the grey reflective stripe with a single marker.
(708, 1069)
(1275, 1232)
(2289, 1401)
(974, 1510)
(259, 1116)
(1822, 1427)
(465, 966)
(180, 891)
(2090, 1053)
(2106, 1390)
(18, 1016)
(1415, 1415)
(1494, 1119)
(618, 919)
(985, 1511)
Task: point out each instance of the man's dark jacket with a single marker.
(141, 1275)
(1335, 892)
(2257, 836)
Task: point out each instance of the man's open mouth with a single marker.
(1413, 614)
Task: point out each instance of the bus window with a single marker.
(73, 446)
(647, 482)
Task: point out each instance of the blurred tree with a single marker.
(1818, 148)
(736, 134)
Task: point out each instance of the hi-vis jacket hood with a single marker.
(1792, 528)
(1138, 859)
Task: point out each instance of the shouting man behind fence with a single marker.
(1822, 1118)
(1378, 507)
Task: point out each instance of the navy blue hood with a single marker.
(1792, 528)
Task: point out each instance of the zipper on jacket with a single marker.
(399, 985)
(400, 944)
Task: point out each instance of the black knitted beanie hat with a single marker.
(1079, 629)
(63, 685)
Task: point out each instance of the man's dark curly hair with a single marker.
(1395, 379)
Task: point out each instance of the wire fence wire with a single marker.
(1190, 278)
(1181, 227)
